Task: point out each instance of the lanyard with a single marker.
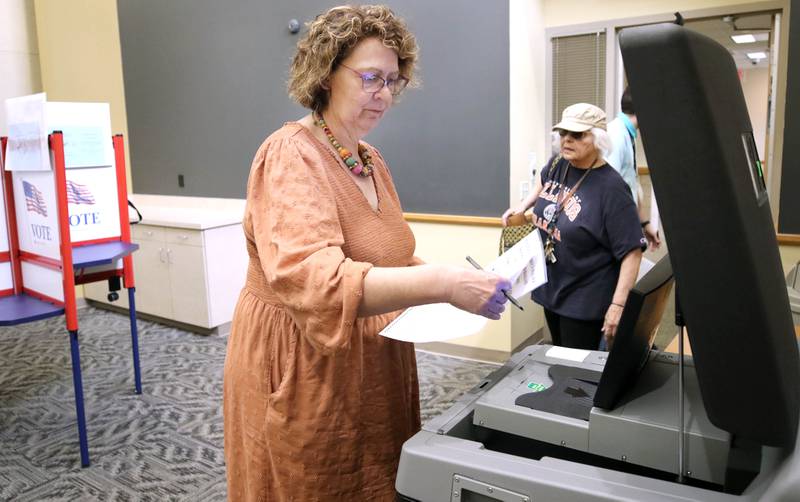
(563, 197)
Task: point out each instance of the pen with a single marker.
(505, 293)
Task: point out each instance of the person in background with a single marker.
(592, 238)
(316, 404)
(622, 157)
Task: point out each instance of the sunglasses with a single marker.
(575, 135)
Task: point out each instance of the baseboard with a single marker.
(222, 330)
(476, 353)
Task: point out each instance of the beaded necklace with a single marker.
(364, 168)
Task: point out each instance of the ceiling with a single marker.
(721, 29)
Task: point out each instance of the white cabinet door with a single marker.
(226, 269)
(151, 273)
(187, 279)
(186, 275)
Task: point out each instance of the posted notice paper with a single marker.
(523, 265)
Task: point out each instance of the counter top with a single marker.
(195, 213)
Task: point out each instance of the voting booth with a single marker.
(635, 423)
(63, 220)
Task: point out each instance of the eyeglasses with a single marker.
(372, 82)
(575, 135)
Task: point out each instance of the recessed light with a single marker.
(744, 39)
(761, 37)
(757, 55)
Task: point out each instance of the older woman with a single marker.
(593, 241)
(317, 405)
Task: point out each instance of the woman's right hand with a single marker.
(514, 211)
(511, 212)
(478, 292)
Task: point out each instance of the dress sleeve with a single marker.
(298, 238)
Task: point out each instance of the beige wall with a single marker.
(790, 256)
(80, 58)
(80, 55)
(569, 12)
(19, 54)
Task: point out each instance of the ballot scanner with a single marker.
(635, 423)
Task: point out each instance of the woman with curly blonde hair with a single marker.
(317, 405)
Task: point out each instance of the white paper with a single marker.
(577, 355)
(644, 266)
(434, 322)
(3, 225)
(87, 132)
(6, 277)
(27, 148)
(654, 216)
(523, 264)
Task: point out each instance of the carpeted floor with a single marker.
(165, 444)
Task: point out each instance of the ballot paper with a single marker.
(577, 355)
(434, 322)
(27, 148)
(523, 265)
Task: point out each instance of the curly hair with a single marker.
(602, 141)
(332, 36)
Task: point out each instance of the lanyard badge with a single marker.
(549, 250)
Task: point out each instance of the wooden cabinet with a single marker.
(192, 276)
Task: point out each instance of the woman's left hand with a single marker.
(653, 239)
(610, 323)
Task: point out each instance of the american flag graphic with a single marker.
(78, 194)
(34, 199)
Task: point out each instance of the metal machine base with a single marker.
(481, 449)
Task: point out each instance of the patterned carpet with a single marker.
(165, 444)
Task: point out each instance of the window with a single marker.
(579, 71)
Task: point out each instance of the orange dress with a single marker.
(317, 405)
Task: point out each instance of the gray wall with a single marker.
(205, 83)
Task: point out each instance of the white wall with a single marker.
(755, 85)
(526, 91)
(19, 54)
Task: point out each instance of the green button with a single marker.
(536, 387)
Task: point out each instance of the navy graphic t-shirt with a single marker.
(596, 228)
